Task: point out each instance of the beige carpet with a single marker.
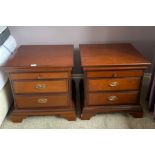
(100, 121)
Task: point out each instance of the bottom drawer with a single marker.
(40, 101)
(113, 98)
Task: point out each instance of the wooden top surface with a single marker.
(110, 55)
(42, 56)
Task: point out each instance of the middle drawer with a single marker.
(53, 86)
(111, 84)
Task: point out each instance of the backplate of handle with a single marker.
(42, 100)
(113, 84)
(40, 86)
(112, 98)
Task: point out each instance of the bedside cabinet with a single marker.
(40, 77)
(113, 77)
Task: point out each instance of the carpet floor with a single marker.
(100, 121)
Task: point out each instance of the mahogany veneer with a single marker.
(40, 77)
(113, 75)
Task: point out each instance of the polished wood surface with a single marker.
(113, 77)
(40, 77)
(113, 98)
(116, 73)
(19, 114)
(90, 111)
(113, 84)
(110, 55)
(42, 56)
(38, 86)
(41, 101)
(114, 68)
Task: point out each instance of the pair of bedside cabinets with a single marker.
(41, 80)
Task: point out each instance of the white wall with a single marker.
(143, 38)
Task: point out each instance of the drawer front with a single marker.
(113, 84)
(40, 101)
(54, 86)
(113, 98)
(129, 73)
(52, 75)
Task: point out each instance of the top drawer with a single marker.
(49, 75)
(120, 73)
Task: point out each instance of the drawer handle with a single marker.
(42, 100)
(113, 84)
(112, 98)
(40, 86)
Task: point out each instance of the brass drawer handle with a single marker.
(42, 100)
(112, 98)
(113, 84)
(40, 86)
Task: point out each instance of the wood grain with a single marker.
(56, 86)
(104, 84)
(90, 111)
(33, 101)
(110, 55)
(42, 56)
(40, 77)
(47, 75)
(130, 97)
(112, 78)
(115, 73)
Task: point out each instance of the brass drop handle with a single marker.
(42, 100)
(112, 98)
(40, 86)
(113, 84)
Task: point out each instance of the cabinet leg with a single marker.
(17, 119)
(87, 116)
(69, 117)
(138, 114)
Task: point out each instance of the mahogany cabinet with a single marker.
(40, 77)
(112, 78)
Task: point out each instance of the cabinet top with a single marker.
(110, 55)
(42, 56)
